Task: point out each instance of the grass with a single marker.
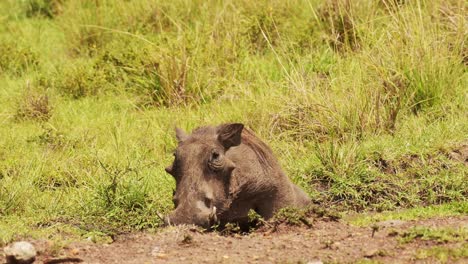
(443, 254)
(438, 235)
(362, 101)
(415, 213)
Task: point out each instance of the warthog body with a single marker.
(222, 172)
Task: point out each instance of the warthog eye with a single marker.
(214, 155)
(208, 202)
(216, 162)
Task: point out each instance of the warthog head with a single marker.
(202, 173)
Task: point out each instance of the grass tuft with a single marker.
(338, 21)
(443, 254)
(34, 106)
(441, 235)
(43, 8)
(16, 58)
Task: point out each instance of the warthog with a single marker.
(222, 173)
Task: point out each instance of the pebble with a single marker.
(20, 252)
(155, 251)
(370, 253)
(74, 251)
(162, 256)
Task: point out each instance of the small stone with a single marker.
(188, 239)
(392, 233)
(20, 252)
(256, 257)
(225, 257)
(162, 256)
(74, 251)
(371, 253)
(155, 251)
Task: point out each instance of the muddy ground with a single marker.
(325, 241)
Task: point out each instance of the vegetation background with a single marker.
(363, 102)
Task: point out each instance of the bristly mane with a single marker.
(264, 153)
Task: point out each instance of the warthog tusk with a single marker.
(213, 216)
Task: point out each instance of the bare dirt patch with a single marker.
(325, 241)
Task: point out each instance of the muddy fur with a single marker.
(223, 172)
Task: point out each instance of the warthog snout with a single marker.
(205, 217)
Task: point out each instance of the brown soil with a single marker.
(325, 241)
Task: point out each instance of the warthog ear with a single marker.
(229, 135)
(169, 169)
(180, 134)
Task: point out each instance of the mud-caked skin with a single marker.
(222, 172)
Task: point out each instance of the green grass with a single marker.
(438, 235)
(443, 254)
(362, 101)
(415, 213)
